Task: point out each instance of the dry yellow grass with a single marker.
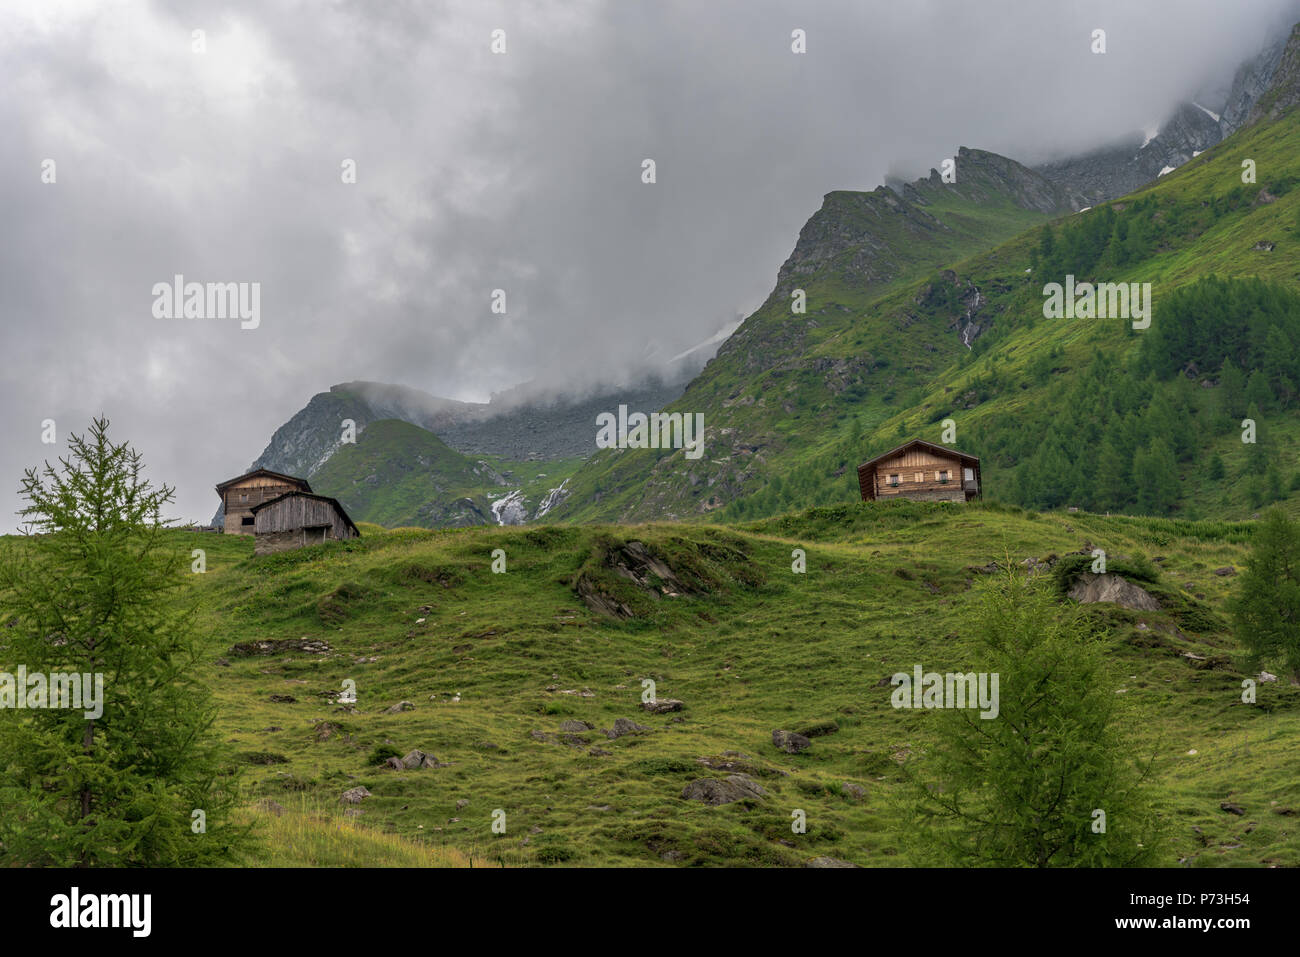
(307, 835)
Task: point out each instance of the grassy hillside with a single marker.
(794, 403)
(493, 664)
(398, 474)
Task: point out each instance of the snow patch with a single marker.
(1167, 169)
(1210, 113)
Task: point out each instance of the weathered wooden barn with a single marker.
(240, 495)
(921, 470)
(296, 519)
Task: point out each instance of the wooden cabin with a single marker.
(240, 495)
(923, 471)
(296, 519)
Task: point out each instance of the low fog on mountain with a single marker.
(477, 171)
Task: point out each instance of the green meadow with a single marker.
(494, 663)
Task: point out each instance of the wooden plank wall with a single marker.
(906, 465)
(299, 511)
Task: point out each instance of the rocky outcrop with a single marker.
(1283, 89)
(635, 562)
(1114, 589)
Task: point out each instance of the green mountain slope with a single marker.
(495, 664)
(399, 474)
(793, 403)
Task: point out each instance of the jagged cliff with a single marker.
(1116, 169)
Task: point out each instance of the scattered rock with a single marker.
(284, 699)
(394, 764)
(790, 742)
(400, 707)
(599, 753)
(278, 646)
(715, 791)
(1265, 676)
(576, 727)
(1225, 571)
(662, 705)
(1232, 808)
(354, 795)
(829, 862)
(462, 804)
(853, 791)
(1264, 246)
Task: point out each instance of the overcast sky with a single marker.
(477, 171)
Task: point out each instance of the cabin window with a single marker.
(246, 520)
(942, 476)
(894, 479)
(243, 496)
(970, 475)
(920, 476)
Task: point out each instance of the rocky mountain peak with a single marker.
(1283, 90)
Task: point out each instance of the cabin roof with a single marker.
(320, 498)
(292, 479)
(924, 444)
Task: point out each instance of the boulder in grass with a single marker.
(576, 727)
(662, 705)
(400, 707)
(354, 795)
(790, 742)
(416, 758)
(624, 726)
(715, 791)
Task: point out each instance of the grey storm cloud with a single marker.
(479, 171)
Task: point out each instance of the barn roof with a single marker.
(291, 479)
(924, 444)
(320, 498)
